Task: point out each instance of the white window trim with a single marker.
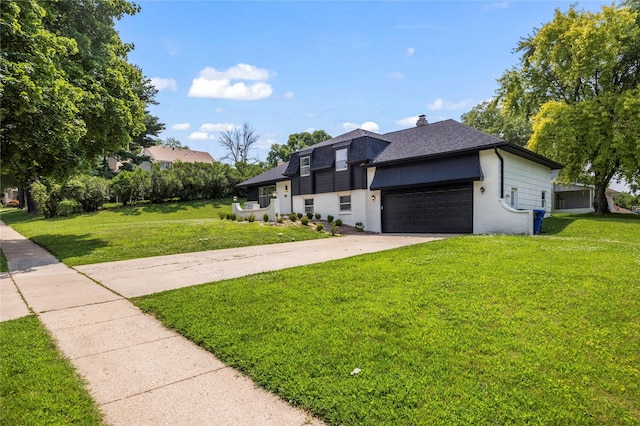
(346, 166)
(312, 205)
(514, 198)
(340, 203)
(308, 166)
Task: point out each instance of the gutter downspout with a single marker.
(501, 171)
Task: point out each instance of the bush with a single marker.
(299, 215)
(90, 192)
(360, 226)
(265, 217)
(304, 220)
(47, 196)
(309, 215)
(318, 216)
(319, 227)
(13, 203)
(338, 222)
(330, 219)
(165, 184)
(130, 186)
(293, 217)
(334, 229)
(251, 218)
(222, 215)
(280, 219)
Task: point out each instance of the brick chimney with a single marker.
(422, 120)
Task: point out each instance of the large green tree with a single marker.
(68, 94)
(297, 141)
(489, 117)
(579, 79)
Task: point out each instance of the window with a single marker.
(345, 203)
(514, 198)
(264, 194)
(305, 166)
(544, 198)
(308, 205)
(341, 159)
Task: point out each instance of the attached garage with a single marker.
(433, 196)
(428, 210)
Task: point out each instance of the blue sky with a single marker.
(287, 67)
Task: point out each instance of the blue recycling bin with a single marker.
(538, 216)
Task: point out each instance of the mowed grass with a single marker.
(150, 230)
(37, 385)
(468, 330)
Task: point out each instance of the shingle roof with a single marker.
(273, 175)
(354, 134)
(442, 137)
(169, 154)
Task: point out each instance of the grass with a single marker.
(149, 230)
(4, 267)
(37, 385)
(468, 330)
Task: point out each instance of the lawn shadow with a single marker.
(65, 247)
(555, 225)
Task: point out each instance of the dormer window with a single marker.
(341, 159)
(305, 166)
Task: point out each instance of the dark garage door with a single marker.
(428, 210)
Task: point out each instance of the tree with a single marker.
(579, 79)
(68, 94)
(172, 142)
(489, 117)
(238, 142)
(297, 141)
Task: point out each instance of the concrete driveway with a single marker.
(137, 277)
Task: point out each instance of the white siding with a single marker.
(530, 179)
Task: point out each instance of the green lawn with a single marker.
(4, 267)
(37, 385)
(468, 330)
(149, 230)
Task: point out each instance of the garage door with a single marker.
(428, 210)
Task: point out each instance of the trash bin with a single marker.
(538, 216)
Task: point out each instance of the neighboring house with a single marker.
(578, 198)
(10, 194)
(167, 155)
(443, 177)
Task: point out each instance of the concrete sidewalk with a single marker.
(137, 371)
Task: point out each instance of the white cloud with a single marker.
(164, 83)
(212, 83)
(411, 51)
(219, 110)
(440, 104)
(367, 125)
(396, 75)
(181, 126)
(407, 121)
(289, 95)
(199, 136)
(217, 127)
(497, 5)
(310, 130)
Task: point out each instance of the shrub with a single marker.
(318, 216)
(360, 226)
(299, 215)
(222, 215)
(251, 218)
(330, 219)
(90, 192)
(47, 196)
(293, 217)
(265, 217)
(338, 222)
(309, 215)
(231, 216)
(304, 220)
(280, 219)
(130, 186)
(165, 184)
(319, 227)
(13, 203)
(334, 229)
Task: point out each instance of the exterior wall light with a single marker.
(373, 197)
(482, 189)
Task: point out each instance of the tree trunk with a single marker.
(600, 203)
(32, 207)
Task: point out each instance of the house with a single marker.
(577, 198)
(166, 155)
(441, 177)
